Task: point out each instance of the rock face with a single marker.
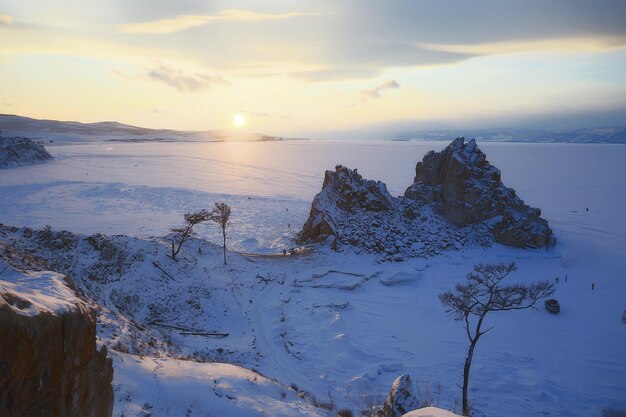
(401, 398)
(456, 200)
(347, 191)
(354, 211)
(48, 355)
(464, 187)
(21, 151)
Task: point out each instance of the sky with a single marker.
(302, 68)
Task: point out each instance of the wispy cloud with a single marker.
(182, 81)
(185, 22)
(375, 92)
(5, 19)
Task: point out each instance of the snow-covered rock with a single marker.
(50, 362)
(401, 397)
(457, 200)
(462, 185)
(347, 191)
(21, 151)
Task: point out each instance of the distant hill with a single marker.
(585, 135)
(61, 131)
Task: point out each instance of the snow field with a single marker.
(342, 323)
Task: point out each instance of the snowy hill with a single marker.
(583, 135)
(67, 131)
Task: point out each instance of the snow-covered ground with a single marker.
(339, 324)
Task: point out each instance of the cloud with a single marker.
(375, 92)
(182, 81)
(5, 19)
(185, 22)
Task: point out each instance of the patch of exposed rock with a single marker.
(21, 151)
(401, 398)
(49, 359)
(461, 184)
(456, 200)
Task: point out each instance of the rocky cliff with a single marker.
(456, 200)
(21, 151)
(462, 185)
(51, 365)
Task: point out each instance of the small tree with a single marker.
(221, 216)
(483, 293)
(183, 233)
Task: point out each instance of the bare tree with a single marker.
(221, 216)
(483, 293)
(182, 233)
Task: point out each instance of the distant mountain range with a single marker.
(584, 135)
(61, 131)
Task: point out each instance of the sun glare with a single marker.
(239, 120)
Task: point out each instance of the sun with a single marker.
(239, 120)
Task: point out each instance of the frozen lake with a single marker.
(144, 188)
(535, 363)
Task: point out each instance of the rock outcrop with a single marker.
(49, 361)
(466, 188)
(21, 151)
(401, 398)
(456, 200)
(351, 210)
(344, 191)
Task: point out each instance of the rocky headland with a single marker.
(21, 151)
(457, 199)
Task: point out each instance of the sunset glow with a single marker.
(313, 68)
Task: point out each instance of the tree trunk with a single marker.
(224, 246)
(466, 371)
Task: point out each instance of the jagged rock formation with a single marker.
(346, 190)
(21, 151)
(401, 398)
(456, 200)
(49, 359)
(351, 210)
(466, 188)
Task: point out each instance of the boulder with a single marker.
(21, 151)
(462, 185)
(401, 398)
(50, 362)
